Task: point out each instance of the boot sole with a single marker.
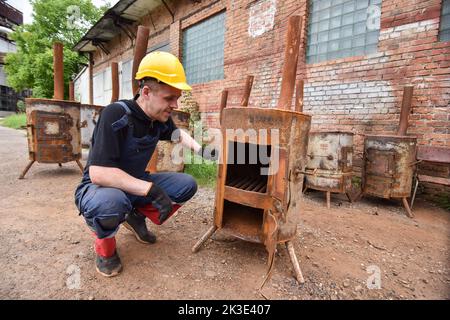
(116, 273)
(127, 226)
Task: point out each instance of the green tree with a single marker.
(66, 21)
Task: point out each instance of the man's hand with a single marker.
(161, 201)
(208, 153)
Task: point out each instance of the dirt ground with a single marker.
(46, 251)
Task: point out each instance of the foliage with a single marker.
(66, 21)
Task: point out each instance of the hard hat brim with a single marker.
(180, 85)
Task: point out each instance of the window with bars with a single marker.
(342, 28)
(444, 33)
(203, 46)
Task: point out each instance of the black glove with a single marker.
(161, 201)
(208, 153)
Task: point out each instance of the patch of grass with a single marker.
(443, 201)
(204, 171)
(15, 121)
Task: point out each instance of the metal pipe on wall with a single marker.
(115, 81)
(91, 78)
(291, 54)
(58, 71)
(139, 53)
(248, 89)
(71, 91)
(299, 94)
(406, 110)
(223, 103)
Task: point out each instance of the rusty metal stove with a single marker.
(389, 160)
(162, 159)
(258, 195)
(329, 167)
(53, 125)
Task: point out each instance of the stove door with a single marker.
(379, 172)
(51, 137)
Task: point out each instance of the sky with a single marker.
(26, 8)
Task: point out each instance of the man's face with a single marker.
(159, 100)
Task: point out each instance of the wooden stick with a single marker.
(203, 239)
(408, 210)
(298, 271)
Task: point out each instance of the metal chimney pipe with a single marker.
(58, 71)
(299, 93)
(115, 81)
(71, 91)
(248, 89)
(91, 78)
(139, 53)
(291, 54)
(406, 110)
(223, 103)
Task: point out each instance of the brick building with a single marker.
(356, 57)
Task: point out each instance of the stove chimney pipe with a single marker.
(406, 110)
(58, 71)
(291, 54)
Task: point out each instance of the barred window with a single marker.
(203, 46)
(342, 28)
(444, 34)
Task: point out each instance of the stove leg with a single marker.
(349, 196)
(328, 199)
(298, 271)
(203, 239)
(80, 165)
(26, 169)
(408, 210)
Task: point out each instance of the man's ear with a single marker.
(145, 91)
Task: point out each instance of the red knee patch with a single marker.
(153, 214)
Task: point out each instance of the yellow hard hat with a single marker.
(164, 67)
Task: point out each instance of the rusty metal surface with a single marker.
(71, 91)
(249, 119)
(329, 166)
(389, 164)
(162, 159)
(58, 71)
(247, 90)
(433, 154)
(140, 51)
(299, 93)
(51, 137)
(114, 81)
(53, 130)
(291, 53)
(405, 110)
(281, 188)
(89, 115)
